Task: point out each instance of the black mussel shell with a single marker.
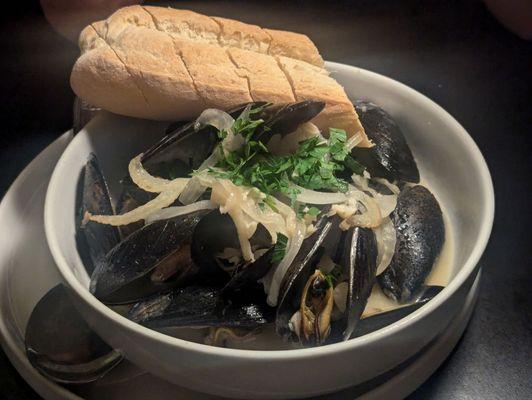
(420, 235)
(324, 240)
(360, 258)
(285, 118)
(217, 231)
(94, 240)
(378, 321)
(183, 143)
(250, 274)
(390, 158)
(200, 306)
(126, 274)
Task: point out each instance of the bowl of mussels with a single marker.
(248, 254)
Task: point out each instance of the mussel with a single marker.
(360, 258)
(94, 240)
(306, 306)
(390, 157)
(377, 321)
(191, 147)
(283, 119)
(420, 235)
(202, 306)
(215, 233)
(151, 260)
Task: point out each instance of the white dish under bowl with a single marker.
(447, 158)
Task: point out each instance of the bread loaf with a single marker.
(166, 64)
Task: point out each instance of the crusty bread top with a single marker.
(189, 25)
(165, 64)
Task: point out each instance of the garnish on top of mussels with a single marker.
(254, 217)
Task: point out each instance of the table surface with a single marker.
(454, 52)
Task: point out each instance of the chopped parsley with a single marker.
(280, 248)
(313, 211)
(315, 165)
(335, 275)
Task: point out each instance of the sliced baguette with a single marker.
(166, 64)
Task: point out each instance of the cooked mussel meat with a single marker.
(342, 268)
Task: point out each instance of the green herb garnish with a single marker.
(315, 165)
(280, 248)
(313, 211)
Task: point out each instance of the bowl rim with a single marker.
(463, 274)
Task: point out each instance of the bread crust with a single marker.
(165, 64)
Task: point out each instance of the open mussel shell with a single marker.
(60, 344)
(94, 240)
(249, 274)
(285, 118)
(151, 260)
(375, 322)
(420, 233)
(360, 258)
(184, 143)
(354, 252)
(213, 233)
(190, 146)
(324, 240)
(390, 157)
(202, 306)
(216, 232)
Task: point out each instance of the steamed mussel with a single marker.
(242, 220)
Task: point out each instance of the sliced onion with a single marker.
(213, 117)
(294, 245)
(153, 184)
(194, 189)
(386, 239)
(288, 144)
(352, 214)
(386, 203)
(241, 203)
(171, 212)
(393, 188)
(340, 296)
(314, 197)
(353, 141)
(326, 264)
(295, 323)
(164, 199)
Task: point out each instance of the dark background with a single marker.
(454, 52)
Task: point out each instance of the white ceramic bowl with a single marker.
(447, 157)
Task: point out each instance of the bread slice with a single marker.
(308, 81)
(166, 64)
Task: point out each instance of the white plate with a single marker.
(27, 272)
